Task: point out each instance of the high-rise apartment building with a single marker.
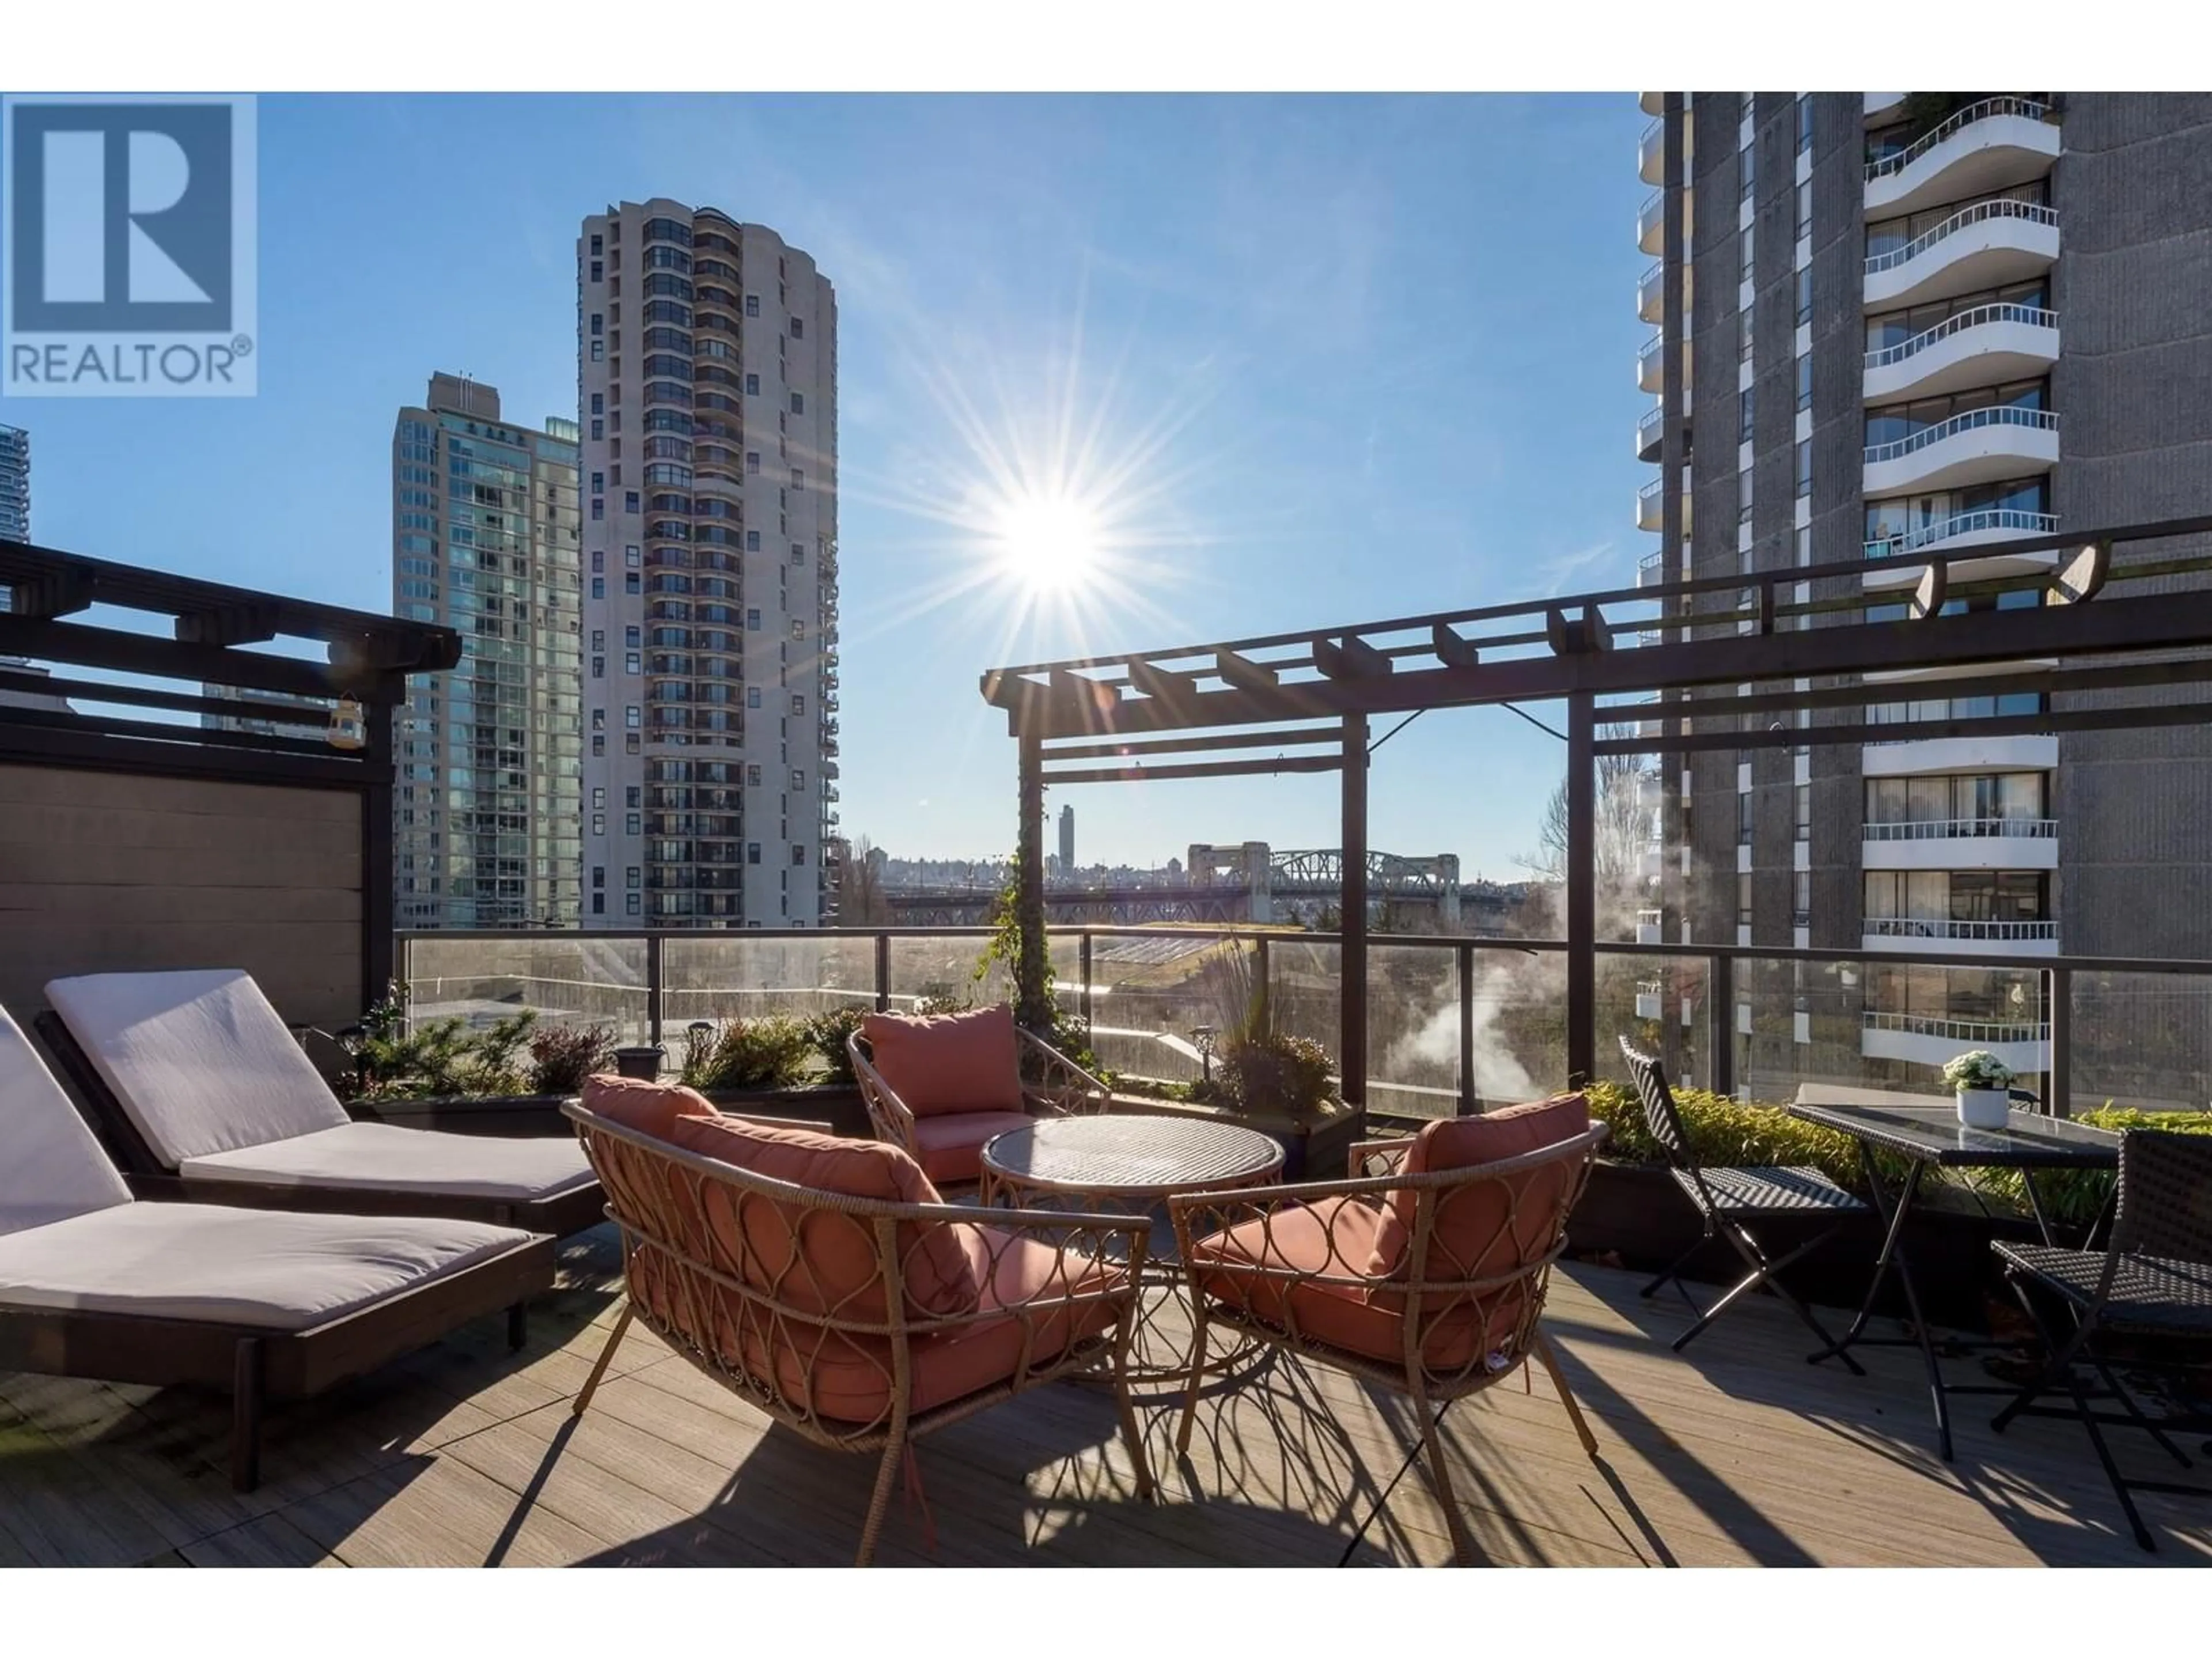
(486, 539)
(706, 368)
(1894, 322)
(15, 485)
(1067, 838)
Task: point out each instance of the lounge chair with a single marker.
(1424, 1274)
(201, 1093)
(271, 1306)
(823, 1282)
(940, 1085)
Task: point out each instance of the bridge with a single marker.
(1240, 882)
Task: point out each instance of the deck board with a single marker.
(1737, 1453)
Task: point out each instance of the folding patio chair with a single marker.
(2154, 1279)
(1727, 1198)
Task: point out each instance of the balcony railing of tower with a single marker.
(1898, 160)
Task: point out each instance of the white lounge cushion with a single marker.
(198, 1059)
(394, 1160)
(50, 1166)
(270, 1269)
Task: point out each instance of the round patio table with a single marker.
(1129, 1164)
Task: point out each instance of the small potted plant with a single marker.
(1984, 1082)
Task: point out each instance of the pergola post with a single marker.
(1352, 1038)
(1582, 889)
(1032, 1010)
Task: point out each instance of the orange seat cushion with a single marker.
(651, 1109)
(1489, 1226)
(1334, 1237)
(950, 1145)
(812, 1258)
(949, 1063)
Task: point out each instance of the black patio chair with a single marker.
(2154, 1279)
(1727, 1198)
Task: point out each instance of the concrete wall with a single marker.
(102, 872)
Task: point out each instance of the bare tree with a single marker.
(1620, 835)
(860, 888)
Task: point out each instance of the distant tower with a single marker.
(1067, 838)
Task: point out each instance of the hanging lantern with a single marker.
(349, 729)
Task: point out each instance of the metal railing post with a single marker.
(1720, 1020)
(1083, 969)
(883, 973)
(1466, 954)
(654, 985)
(2058, 1088)
(1265, 1008)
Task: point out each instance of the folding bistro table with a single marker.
(1925, 1130)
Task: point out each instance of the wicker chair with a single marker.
(1425, 1282)
(1020, 1077)
(1727, 1198)
(861, 1324)
(2153, 1279)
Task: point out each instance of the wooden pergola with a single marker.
(2118, 609)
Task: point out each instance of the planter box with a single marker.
(835, 1107)
(1638, 1215)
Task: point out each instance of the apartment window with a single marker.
(798, 628)
(798, 478)
(799, 703)
(1805, 468)
(1804, 811)
(1805, 297)
(1804, 123)
(599, 403)
(1804, 210)
(598, 244)
(598, 904)
(798, 555)
(599, 271)
(1747, 240)
(752, 460)
(631, 584)
(598, 745)
(753, 776)
(798, 328)
(753, 620)
(752, 696)
(1743, 336)
(630, 665)
(598, 351)
(598, 510)
(630, 634)
(631, 823)
(598, 588)
(1745, 173)
(1743, 411)
(1805, 549)
(1800, 899)
(598, 797)
(598, 719)
(633, 742)
(598, 823)
(598, 429)
(598, 668)
(1805, 381)
(752, 386)
(1743, 819)
(632, 716)
(631, 876)
(1743, 899)
(752, 305)
(797, 854)
(753, 852)
(798, 781)
(630, 500)
(598, 639)
(632, 903)
(1743, 496)
(631, 796)
(599, 875)
(598, 323)
(799, 402)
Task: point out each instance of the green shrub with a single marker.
(2075, 1197)
(1274, 1070)
(769, 1053)
(439, 1058)
(1723, 1132)
(826, 1033)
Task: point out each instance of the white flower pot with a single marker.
(1984, 1109)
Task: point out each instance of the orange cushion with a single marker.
(1489, 1226)
(1336, 1236)
(651, 1109)
(949, 1062)
(812, 1258)
(950, 1145)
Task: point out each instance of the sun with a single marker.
(1050, 543)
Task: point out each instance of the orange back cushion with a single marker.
(651, 1109)
(817, 1259)
(939, 1063)
(1488, 1227)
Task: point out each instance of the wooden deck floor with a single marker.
(1736, 1453)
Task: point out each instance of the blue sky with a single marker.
(1331, 359)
